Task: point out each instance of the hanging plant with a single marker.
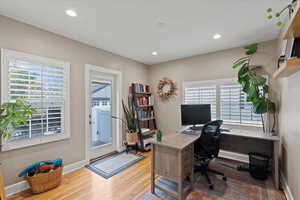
(254, 85)
(271, 15)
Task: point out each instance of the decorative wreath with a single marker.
(171, 91)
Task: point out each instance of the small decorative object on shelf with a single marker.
(43, 175)
(159, 135)
(166, 88)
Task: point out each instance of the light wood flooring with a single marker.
(83, 184)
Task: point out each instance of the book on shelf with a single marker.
(145, 101)
(145, 114)
(139, 88)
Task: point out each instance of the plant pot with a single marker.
(132, 138)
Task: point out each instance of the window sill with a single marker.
(18, 144)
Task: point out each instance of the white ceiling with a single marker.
(135, 28)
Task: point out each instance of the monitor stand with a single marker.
(196, 128)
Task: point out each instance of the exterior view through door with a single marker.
(101, 120)
(102, 99)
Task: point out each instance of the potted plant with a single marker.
(255, 85)
(130, 123)
(12, 116)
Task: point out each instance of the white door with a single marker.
(102, 105)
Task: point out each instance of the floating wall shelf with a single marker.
(288, 68)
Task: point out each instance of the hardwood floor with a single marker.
(83, 184)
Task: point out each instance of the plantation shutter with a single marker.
(44, 87)
(234, 108)
(202, 95)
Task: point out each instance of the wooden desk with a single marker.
(172, 158)
(259, 135)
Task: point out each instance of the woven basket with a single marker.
(45, 181)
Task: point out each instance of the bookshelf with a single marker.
(143, 103)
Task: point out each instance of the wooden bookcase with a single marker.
(142, 100)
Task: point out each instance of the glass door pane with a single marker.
(101, 121)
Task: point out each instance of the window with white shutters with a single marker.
(234, 108)
(41, 82)
(202, 95)
(228, 101)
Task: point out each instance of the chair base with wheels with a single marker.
(207, 148)
(204, 170)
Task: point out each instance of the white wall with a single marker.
(289, 127)
(25, 38)
(217, 65)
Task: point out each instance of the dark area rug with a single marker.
(239, 186)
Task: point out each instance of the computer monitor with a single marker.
(195, 114)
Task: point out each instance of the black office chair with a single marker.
(207, 148)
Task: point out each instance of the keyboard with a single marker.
(191, 132)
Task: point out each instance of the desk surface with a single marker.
(177, 141)
(247, 133)
(252, 134)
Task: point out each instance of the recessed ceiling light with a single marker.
(154, 53)
(217, 36)
(71, 13)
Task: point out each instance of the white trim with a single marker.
(23, 185)
(285, 187)
(118, 74)
(234, 156)
(66, 133)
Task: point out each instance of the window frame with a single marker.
(22, 143)
(219, 82)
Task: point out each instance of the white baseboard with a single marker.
(74, 166)
(16, 188)
(234, 156)
(285, 187)
(23, 185)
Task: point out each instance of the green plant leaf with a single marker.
(252, 94)
(13, 114)
(251, 49)
(258, 80)
(270, 17)
(279, 23)
(240, 62)
(269, 10)
(260, 106)
(271, 106)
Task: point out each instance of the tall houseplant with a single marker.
(13, 115)
(255, 85)
(130, 122)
